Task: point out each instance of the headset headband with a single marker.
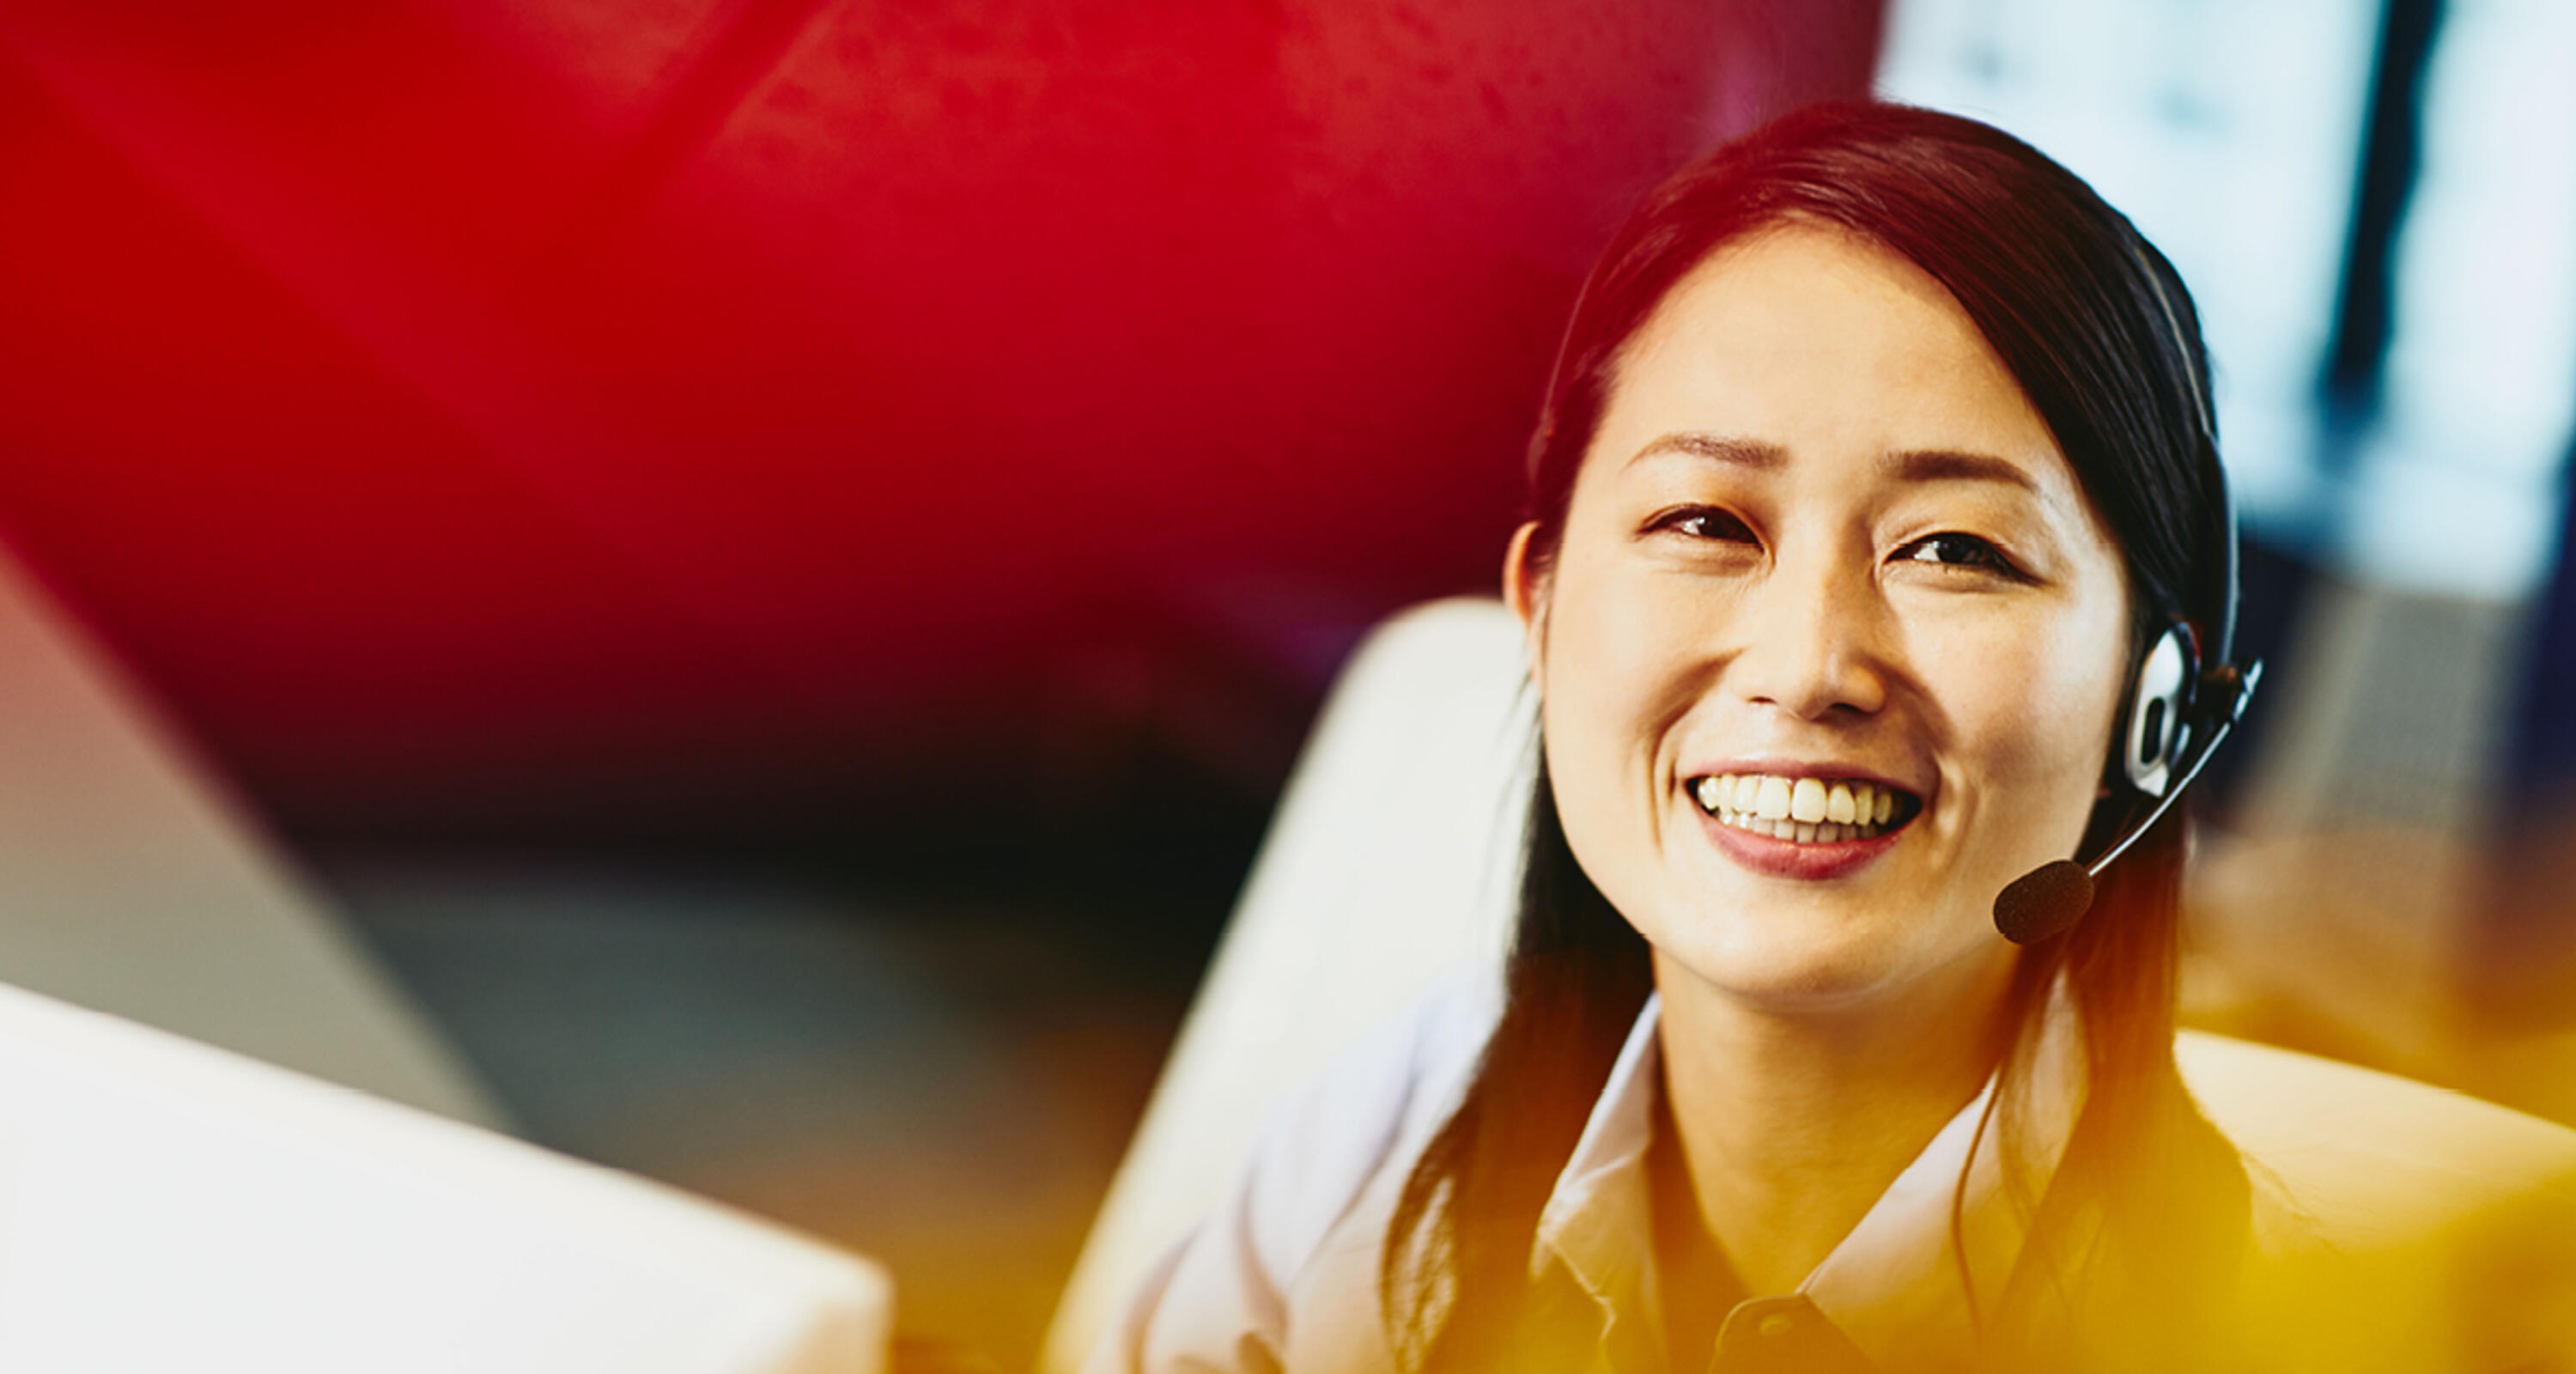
(2222, 648)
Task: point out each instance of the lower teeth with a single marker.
(1799, 832)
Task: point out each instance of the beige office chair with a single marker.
(1392, 861)
(169, 1206)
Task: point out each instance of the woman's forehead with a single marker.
(1824, 347)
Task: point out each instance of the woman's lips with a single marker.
(1812, 860)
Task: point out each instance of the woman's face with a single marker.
(1822, 558)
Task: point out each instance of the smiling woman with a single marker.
(1873, 506)
(1869, 464)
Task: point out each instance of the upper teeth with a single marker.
(1804, 809)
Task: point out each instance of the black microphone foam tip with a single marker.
(2044, 902)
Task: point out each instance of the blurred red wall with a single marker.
(503, 416)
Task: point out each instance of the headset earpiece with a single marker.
(2179, 711)
(2159, 724)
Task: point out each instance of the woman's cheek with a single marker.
(1596, 743)
(2040, 718)
(1600, 728)
(1584, 772)
(1606, 676)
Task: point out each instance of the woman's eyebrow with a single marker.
(1751, 453)
(1950, 465)
(1911, 465)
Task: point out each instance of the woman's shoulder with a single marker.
(2401, 1224)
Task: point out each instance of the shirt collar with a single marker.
(1598, 1222)
(1893, 1284)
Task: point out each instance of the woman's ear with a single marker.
(1525, 591)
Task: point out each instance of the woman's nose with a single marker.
(1811, 643)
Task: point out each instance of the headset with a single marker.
(2185, 698)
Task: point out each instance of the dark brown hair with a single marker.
(2074, 301)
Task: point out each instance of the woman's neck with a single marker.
(1793, 1123)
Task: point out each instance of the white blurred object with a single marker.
(1393, 858)
(167, 1206)
(131, 883)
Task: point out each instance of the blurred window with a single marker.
(2458, 486)
(2233, 134)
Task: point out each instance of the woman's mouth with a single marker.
(1805, 810)
(1811, 829)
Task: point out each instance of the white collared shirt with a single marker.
(1284, 1277)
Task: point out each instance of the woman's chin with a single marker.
(1803, 964)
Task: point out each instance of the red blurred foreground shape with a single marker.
(519, 415)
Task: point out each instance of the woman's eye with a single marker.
(1702, 522)
(1958, 550)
